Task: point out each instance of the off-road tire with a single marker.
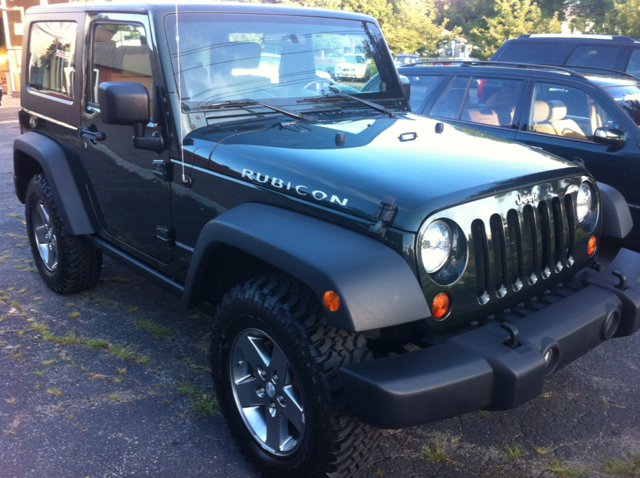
(334, 443)
(77, 264)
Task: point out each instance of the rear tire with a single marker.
(66, 263)
(275, 363)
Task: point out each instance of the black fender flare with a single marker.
(376, 286)
(616, 218)
(53, 161)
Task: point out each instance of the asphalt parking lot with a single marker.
(115, 382)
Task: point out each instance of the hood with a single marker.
(352, 165)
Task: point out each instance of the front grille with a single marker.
(522, 245)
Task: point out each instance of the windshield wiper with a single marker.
(344, 97)
(244, 103)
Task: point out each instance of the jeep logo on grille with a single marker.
(526, 198)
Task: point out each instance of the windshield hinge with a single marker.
(166, 234)
(162, 170)
(384, 216)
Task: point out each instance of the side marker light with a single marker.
(593, 243)
(331, 300)
(440, 305)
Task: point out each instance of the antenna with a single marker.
(179, 122)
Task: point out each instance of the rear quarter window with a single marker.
(594, 56)
(52, 58)
(531, 52)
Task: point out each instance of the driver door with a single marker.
(131, 203)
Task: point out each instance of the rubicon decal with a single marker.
(300, 189)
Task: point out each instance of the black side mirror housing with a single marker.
(123, 103)
(610, 136)
(406, 86)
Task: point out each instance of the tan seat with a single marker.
(485, 116)
(564, 127)
(549, 118)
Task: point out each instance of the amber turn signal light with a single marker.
(591, 247)
(331, 300)
(440, 305)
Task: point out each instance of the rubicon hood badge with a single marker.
(526, 198)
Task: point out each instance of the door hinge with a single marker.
(163, 170)
(166, 234)
(384, 216)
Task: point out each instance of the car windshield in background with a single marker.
(628, 97)
(230, 57)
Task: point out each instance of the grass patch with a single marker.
(55, 391)
(630, 467)
(436, 453)
(562, 469)
(97, 343)
(155, 329)
(513, 452)
(107, 302)
(74, 315)
(132, 309)
(126, 353)
(203, 403)
(541, 450)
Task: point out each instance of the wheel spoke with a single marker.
(278, 362)
(247, 392)
(253, 351)
(44, 215)
(293, 411)
(276, 429)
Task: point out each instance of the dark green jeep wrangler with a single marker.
(367, 268)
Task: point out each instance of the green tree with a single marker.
(513, 18)
(592, 16)
(624, 18)
(413, 28)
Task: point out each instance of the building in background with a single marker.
(11, 42)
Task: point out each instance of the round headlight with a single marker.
(435, 246)
(584, 203)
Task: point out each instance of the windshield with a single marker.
(628, 97)
(277, 59)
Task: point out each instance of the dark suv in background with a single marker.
(591, 118)
(595, 51)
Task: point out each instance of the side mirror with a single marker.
(610, 136)
(123, 103)
(406, 86)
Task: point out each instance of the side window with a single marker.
(492, 101)
(565, 111)
(420, 87)
(449, 103)
(52, 58)
(633, 67)
(120, 53)
(593, 56)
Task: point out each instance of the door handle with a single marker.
(91, 133)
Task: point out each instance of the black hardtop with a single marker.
(523, 70)
(551, 37)
(163, 7)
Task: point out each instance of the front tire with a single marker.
(275, 363)
(66, 263)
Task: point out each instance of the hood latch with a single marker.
(384, 216)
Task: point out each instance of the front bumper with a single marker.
(479, 368)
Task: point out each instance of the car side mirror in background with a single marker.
(406, 86)
(124, 103)
(610, 136)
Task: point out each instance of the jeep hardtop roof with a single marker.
(163, 7)
(576, 38)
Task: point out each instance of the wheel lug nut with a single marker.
(261, 392)
(272, 410)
